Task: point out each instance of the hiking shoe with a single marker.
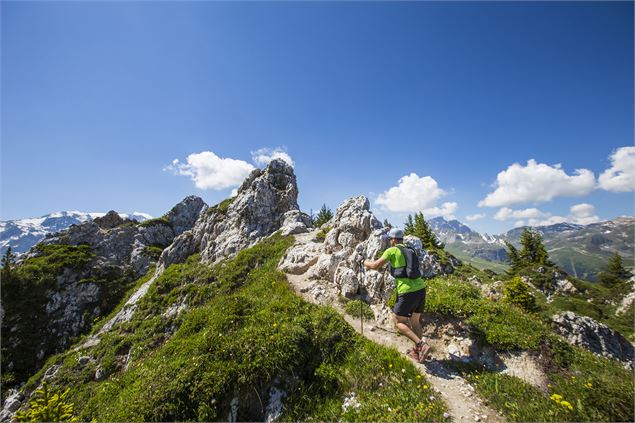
(422, 351)
(414, 354)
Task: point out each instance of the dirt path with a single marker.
(463, 403)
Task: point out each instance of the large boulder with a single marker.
(353, 223)
(594, 336)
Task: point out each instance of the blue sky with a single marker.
(480, 101)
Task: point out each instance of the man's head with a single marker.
(395, 236)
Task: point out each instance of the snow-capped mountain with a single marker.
(22, 234)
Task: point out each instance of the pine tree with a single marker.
(8, 260)
(514, 258)
(421, 229)
(47, 407)
(387, 224)
(615, 271)
(324, 215)
(533, 250)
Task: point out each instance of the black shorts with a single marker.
(410, 302)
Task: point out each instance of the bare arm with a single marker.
(375, 264)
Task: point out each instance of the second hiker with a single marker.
(411, 291)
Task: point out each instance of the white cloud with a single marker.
(581, 214)
(620, 177)
(473, 217)
(446, 210)
(519, 223)
(208, 171)
(263, 156)
(506, 213)
(412, 194)
(536, 183)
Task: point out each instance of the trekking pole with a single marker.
(361, 303)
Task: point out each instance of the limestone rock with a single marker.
(300, 257)
(295, 222)
(352, 223)
(347, 281)
(594, 336)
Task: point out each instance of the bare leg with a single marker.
(415, 322)
(402, 325)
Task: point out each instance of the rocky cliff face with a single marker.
(62, 304)
(266, 202)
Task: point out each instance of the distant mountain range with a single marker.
(581, 250)
(22, 234)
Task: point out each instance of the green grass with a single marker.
(244, 331)
(502, 325)
(221, 207)
(163, 220)
(321, 235)
(154, 251)
(581, 387)
(353, 308)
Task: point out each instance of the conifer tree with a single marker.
(514, 258)
(615, 271)
(8, 260)
(421, 229)
(387, 224)
(324, 215)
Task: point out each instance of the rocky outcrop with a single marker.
(355, 235)
(265, 203)
(594, 336)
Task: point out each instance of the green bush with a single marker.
(353, 308)
(449, 295)
(507, 328)
(517, 292)
(48, 407)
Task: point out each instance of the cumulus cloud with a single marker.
(208, 171)
(506, 213)
(620, 177)
(536, 183)
(581, 214)
(413, 194)
(446, 210)
(473, 217)
(263, 156)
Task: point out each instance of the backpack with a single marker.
(411, 269)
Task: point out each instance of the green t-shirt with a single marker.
(396, 259)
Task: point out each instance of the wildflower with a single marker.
(403, 370)
(588, 385)
(390, 366)
(431, 398)
(557, 398)
(418, 376)
(275, 325)
(567, 405)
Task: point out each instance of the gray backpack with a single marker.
(411, 269)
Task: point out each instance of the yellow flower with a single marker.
(557, 398)
(418, 376)
(566, 404)
(275, 325)
(425, 386)
(390, 366)
(588, 385)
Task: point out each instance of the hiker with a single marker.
(411, 292)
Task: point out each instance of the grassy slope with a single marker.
(243, 332)
(596, 388)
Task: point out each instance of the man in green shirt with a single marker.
(411, 296)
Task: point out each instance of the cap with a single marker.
(395, 233)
